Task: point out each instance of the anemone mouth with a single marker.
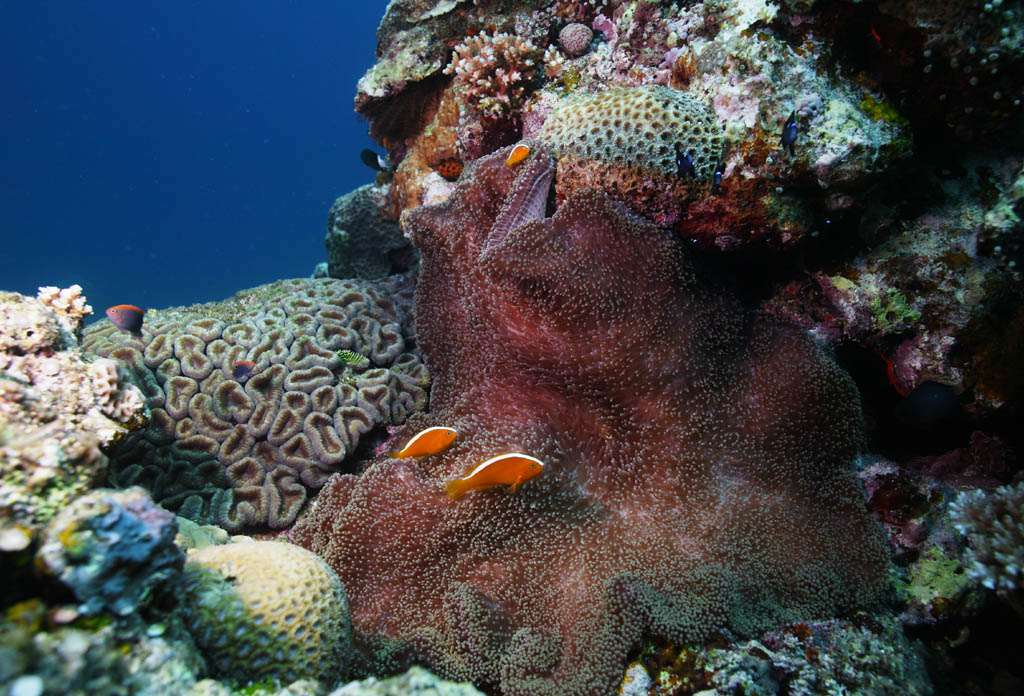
(526, 200)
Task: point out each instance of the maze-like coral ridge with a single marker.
(637, 127)
(243, 453)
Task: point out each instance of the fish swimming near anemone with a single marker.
(518, 154)
(242, 369)
(789, 133)
(509, 469)
(429, 441)
(126, 317)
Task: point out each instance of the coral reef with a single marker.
(493, 73)
(994, 526)
(698, 457)
(262, 609)
(331, 365)
(628, 141)
(68, 304)
(360, 242)
(575, 38)
(112, 549)
(416, 682)
(56, 410)
(806, 659)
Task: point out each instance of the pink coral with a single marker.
(698, 457)
(575, 38)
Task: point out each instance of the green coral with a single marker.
(882, 111)
(893, 311)
(937, 576)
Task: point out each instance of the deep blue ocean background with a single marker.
(165, 153)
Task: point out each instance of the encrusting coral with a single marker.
(112, 548)
(263, 609)
(361, 243)
(697, 457)
(330, 365)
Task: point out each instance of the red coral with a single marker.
(697, 456)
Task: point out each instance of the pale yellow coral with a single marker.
(267, 609)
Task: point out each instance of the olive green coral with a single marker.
(262, 609)
(637, 127)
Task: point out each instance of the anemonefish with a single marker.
(508, 469)
(789, 133)
(518, 154)
(429, 441)
(126, 317)
(242, 369)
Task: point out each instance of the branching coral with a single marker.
(697, 457)
(994, 526)
(493, 74)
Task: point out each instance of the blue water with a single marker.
(164, 153)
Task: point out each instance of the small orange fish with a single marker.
(126, 317)
(508, 469)
(518, 154)
(242, 369)
(429, 441)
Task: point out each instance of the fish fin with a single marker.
(515, 485)
(455, 488)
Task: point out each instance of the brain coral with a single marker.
(625, 141)
(698, 456)
(331, 364)
(263, 609)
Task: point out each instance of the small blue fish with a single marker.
(716, 180)
(684, 164)
(375, 161)
(789, 133)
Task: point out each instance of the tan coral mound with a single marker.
(267, 609)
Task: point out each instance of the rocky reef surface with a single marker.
(743, 275)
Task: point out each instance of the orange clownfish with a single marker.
(429, 441)
(518, 154)
(508, 469)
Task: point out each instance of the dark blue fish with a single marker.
(374, 161)
(789, 133)
(126, 317)
(242, 369)
(716, 180)
(684, 164)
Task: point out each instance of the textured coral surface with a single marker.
(56, 410)
(267, 608)
(697, 456)
(330, 365)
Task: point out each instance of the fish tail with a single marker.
(455, 488)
